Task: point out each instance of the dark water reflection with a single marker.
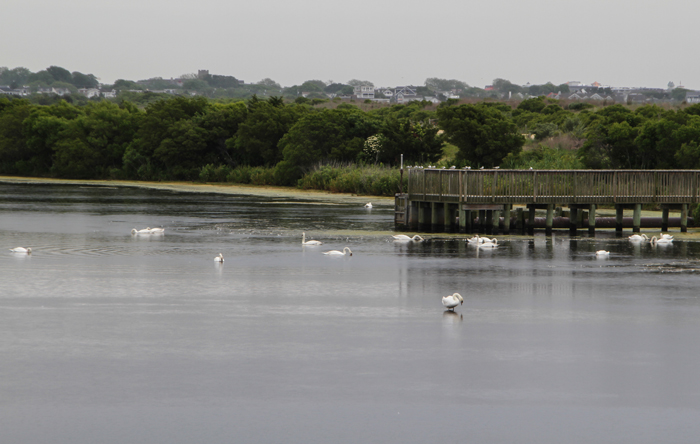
(109, 337)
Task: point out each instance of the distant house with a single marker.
(554, 95)
(89, 92)
(109, 94)
(364, 92)
(692, 97)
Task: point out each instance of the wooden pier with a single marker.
(452, 200)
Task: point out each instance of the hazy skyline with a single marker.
(617, 43)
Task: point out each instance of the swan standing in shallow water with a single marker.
(452, 301)
(21, 250)
(638, 238)
(368, 205)
(403, 237)
(311, 242)
(219, 258)
(339, 253)
(602, 253)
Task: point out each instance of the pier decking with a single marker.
(450, 199)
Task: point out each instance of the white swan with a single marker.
(144, 231)
(311, 242)
(219, 258)
(368, 205)
(492, 243)
(452, 301)
(21, 250)
(665, 236)
(403, 237)
(339, 253)
(662, 241)
(638, 238)
(475, 240)
(157, 230)
(602, 253)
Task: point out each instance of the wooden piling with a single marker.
(531, 219)
(684, 218)
(664, 219)
(637, 218)
(506, 218)
(549, 222)
(573, 220)
(619, 214)
(591, 219)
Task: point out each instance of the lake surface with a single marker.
(107, 337)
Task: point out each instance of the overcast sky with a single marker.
(389, 42)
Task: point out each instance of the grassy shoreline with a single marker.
(217, 188)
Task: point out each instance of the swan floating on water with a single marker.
(21, 250)
(311, 242)
(403, 237)
(452, 301)
(491, 243)
(339, 253)
(144, 231)
(602, 253)
(368, 205)
(156, 230)
(219, 258)
(475, 240)
(662, 241)
(665, 236)
(638, 238)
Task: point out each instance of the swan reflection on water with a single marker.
(452, 317)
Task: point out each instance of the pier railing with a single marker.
(553, 186)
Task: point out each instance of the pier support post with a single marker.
(489, 222)
(637, 218)
(448, 217)
(506, 218)
(619, 213)
(482, 219)
(591, 219)
(496, 221)
(684, 218)
(519, 219)
(437, 214)
(664, 219)
(549, 223)
(463, 220)
(412, 216)
(531, 219)
(573, 220)
(469, 222)
(423, 223)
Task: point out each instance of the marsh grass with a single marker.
(335, 178)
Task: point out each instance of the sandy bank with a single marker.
(188, 187)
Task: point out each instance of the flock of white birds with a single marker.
(450, 302)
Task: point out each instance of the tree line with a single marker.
(179, 138)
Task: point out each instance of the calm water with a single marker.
(107, 337)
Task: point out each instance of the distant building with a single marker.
(364, 92)
(692, 97)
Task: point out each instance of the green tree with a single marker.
(256, 140)
(59, 74)
(483, 134)
(324, 135)
(93, 144)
